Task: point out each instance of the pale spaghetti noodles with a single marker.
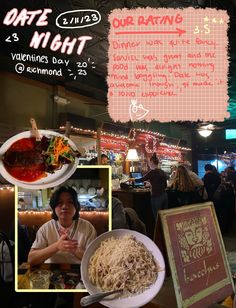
(122, 263)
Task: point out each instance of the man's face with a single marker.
(65, 208)
(104, 161)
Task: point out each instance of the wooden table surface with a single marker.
(24, 270)
(164, 299)
(78, 296)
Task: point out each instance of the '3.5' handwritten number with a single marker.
(206, 29)
(14, 37)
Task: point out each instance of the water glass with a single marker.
(39, 279)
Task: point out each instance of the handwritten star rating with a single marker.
(213, 20)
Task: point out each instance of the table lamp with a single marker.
(132, 156)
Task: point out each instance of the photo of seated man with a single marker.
(58, 226)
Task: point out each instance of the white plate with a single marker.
(82, 190)
(50, 180)
(92, 191)
(131, 301)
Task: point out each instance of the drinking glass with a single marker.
(39, 279)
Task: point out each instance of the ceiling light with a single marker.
(208, 126)
(205, 132)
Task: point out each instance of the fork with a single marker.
(90, 299)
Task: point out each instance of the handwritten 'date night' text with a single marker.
(165, 66)
(44, 39)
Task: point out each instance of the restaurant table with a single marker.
(164, 299)
(78, 296)
(65, 271)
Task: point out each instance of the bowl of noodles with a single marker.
(127, 260)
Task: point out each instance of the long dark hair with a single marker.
(154, 159)
(55, 197)
(182, 180)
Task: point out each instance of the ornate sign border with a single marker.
(198, 263)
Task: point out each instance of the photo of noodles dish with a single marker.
(122, 263)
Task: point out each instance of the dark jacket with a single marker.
(157, 178)
(211, 182)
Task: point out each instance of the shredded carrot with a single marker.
(58, 147)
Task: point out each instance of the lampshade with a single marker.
(132, 155)
(205, 132)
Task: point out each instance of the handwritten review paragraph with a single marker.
(168, 64)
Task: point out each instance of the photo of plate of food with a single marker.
(37, 163)
(123, 260)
